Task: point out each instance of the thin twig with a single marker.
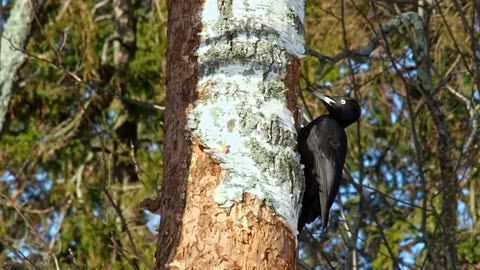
(19, 255)
(120, 251)
(125, 228)
(30, 226)
(76, 78)
(378, 224)
(352, 238)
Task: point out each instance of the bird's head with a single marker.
(345, 110)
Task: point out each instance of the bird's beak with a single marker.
(323, 97)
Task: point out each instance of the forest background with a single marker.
(81, 140)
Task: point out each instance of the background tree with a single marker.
(82, 141)
(81, 147)
(15, 33)
(412, 195)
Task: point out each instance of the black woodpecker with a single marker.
(323, 146)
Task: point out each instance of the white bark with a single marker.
(242, 116)
(12, 42)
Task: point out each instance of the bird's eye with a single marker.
(343, 101)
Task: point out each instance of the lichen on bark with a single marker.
(243, 118)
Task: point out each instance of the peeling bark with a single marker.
(232, 180)
(246, 236)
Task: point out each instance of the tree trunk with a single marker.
(232, 183)
(12, 41)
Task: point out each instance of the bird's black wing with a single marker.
(327, 138)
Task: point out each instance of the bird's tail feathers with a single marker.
(324, 207)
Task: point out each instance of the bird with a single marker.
(322, 145)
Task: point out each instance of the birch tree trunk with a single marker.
(13, 37)
(232, 181)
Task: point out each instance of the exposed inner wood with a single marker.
(247, 236)
(195, 232)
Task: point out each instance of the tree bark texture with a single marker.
(12, 42)
(449, 187)
(232, 180)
